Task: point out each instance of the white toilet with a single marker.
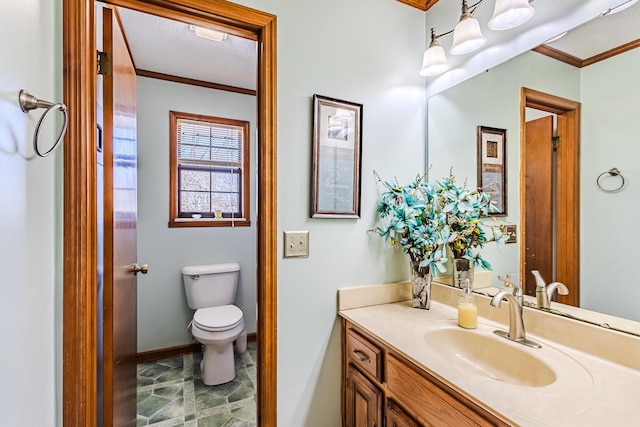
(217, 323)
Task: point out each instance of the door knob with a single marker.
(144, 269)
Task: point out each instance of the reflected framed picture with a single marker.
(337, 153)
(492, 167)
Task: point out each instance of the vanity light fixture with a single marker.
(206, 33)
(618, 8)
(434, 61)
(510, 13)
(467, 36)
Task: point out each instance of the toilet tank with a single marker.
(210, 285)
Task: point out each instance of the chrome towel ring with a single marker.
(612, 173)
(29, 102)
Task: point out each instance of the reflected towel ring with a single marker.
(29, 102)
(611, 172)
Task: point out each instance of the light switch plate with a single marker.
(296, 244)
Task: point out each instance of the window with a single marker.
(209, 171)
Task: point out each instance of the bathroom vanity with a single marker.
(407, 395)
(409, 367)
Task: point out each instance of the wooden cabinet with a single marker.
(375, 377)
(397, 417)
(363, 401)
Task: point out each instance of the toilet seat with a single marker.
(216, 319)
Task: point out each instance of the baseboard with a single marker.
(165, 353)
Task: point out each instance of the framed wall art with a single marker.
(492, 167)
(337, 144)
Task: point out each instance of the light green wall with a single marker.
(361, 51)
(492, 99)
(610, 92)
(29, 59)
(163, 314)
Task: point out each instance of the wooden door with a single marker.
(363, 401)
(538, 241)
(120, 218)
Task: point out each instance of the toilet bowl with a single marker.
(216, 328)
(216, 323)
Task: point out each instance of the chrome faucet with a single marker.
(544, 292)
(516, 324)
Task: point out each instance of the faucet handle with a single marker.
(508, 282)
(516, 285)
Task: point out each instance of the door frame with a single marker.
(79, 358)
(568, 187)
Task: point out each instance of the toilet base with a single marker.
(241, 343)
(218, 364)
(217, 367)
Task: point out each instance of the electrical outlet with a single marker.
(510, 231)
(296, 244)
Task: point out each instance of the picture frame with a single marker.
(492, 167)
(336, 158)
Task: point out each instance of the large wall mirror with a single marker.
(607, 91)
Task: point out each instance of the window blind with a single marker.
(210, 143)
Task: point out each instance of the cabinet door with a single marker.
(396, 417)
(363, 401)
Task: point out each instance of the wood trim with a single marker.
(581, 63)
(558, 55)
(194, 82)
(165, 353)
(568, 206)
(267, 225)
(420, 4)
(80, 241)
(613, 52)
(568, 186)
(179, 350)
(174, 221)
(546, 102)
(79, 402)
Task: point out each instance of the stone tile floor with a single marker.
(171, 393)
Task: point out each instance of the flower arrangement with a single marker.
(424, 219)
(413, 222)
(463, 231)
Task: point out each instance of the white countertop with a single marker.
(589, 391)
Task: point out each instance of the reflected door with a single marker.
(538, 242)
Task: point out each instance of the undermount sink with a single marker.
(491, 356)
(481, 352)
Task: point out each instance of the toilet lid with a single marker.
(217, 318)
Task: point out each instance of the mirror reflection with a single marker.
(606, 90)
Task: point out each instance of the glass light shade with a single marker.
(619, 8)
(434, 61)
(510, 13)
(467, 36)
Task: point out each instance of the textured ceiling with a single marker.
(170, 47)
(601, 34)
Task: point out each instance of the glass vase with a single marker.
(462, 270)
(420, 286)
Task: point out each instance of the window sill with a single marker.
(209, 222)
